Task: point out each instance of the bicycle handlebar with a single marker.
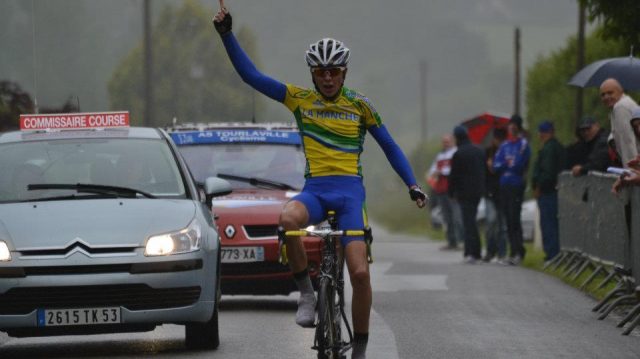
(324, 232)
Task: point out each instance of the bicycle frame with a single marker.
(332, 271)
(328, 338)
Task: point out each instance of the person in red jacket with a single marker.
(438, 178)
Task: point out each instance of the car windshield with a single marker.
(272, 162)
(144, 165)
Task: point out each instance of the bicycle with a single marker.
(329, 339)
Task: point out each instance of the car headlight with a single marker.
(183, 241)
(5, 255)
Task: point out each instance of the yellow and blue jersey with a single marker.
(332, 132)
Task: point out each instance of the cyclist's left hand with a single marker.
(416, 194)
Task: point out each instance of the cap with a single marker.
(517, 120)
(586, 122)
(545, 127)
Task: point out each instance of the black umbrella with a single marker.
(624, 69)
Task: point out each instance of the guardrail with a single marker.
(601, 231)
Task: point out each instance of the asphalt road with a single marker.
(427, 304)
(490, 311)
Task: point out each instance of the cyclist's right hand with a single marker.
(222, 20)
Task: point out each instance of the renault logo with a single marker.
(230, 231)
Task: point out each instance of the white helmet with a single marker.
(327, 52)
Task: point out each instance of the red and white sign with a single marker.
(67, 121)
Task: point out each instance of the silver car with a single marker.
(103, 230)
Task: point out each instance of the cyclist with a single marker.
(332, 121)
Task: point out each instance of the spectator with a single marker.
(496, 231)
(576, 152)
(466, 185)
(613, 97)
(549, 163)
(438, 179)
(596, 149)
(633, 177)
(511, 163)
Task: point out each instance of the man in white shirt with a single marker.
(621, 105)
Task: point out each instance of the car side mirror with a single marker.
(215, 187)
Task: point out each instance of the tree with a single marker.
(13, 102)
(193, 79)
(620, 19)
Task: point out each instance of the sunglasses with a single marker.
(333, 71)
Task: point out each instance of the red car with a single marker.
(265, 165)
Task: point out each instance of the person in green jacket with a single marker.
(544, 180)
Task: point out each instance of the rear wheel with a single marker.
(203, 335)
(327, 332)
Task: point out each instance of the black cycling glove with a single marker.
(416, 193)
(223, 26)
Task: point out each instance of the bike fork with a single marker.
(340, 290)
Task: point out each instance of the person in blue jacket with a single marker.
(511, 163)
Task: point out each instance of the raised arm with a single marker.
(242, 63)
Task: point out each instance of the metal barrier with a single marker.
(592, 220)
(573, 211)
(600, 230)
(608, 234)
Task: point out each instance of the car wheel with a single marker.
(203, 335)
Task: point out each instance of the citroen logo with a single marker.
(229, 231)
(78, 245)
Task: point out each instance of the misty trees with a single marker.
(193, 79)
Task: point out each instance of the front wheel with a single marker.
(327, 330)
(203, 335)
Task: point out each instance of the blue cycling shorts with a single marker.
(343, 194)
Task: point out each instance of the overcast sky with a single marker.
(468, 46)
